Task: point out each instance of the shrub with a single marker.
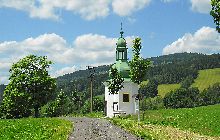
(182, 98)
(210, 96)
(61, 106)
(98, 105)
(152, 103)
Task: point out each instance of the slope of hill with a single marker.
(167, 69)
(204, 120)
(188, 123)
(163, 89)
(207, 78)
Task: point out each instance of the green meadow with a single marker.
(191, 123)
(163, 89)
(35, 129)
(207, 78)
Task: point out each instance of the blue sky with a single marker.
(77, 33)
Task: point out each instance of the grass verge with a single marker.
(35, 129)
(207, 78)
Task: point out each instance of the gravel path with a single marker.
(97, 129)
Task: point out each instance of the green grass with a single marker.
(35, 129)
(165, 88)
(207, 78)
(203, 120)
(175, 123)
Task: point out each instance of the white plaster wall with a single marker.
(132, 89)
(110, 99)
(128, 107)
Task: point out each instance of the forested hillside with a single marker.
(167, 69)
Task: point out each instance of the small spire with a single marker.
(121, 31)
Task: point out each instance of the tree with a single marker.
(15, 104)
(138, 65)
(211, 95)
(215, 13)
(187, 82)
(30, 87)
(116, 81)
(150, 90)
(61, 106)
(98, 104)
(182, 98)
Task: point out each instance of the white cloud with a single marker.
(65, 70)
(201, 6)
(127, 7)
(167, 1)
(48, 9)
(206, 40)
(87, 9)
(88, 49)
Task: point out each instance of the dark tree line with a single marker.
(177, 67)
(173, 68)
(191, 97)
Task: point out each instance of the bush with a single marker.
(98, 105)
(187, 82)
(210, 96)
(152, 103)
(182, 98)
(61, 106)
(149, 90)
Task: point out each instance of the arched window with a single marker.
(121, 55)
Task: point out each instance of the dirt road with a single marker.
(97, 129)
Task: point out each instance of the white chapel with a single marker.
(125, 101)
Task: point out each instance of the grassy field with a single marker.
(165, 88)
(35, 129)
(192, 122)
(207, 78)
(203, 120)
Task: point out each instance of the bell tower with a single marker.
(121, 49)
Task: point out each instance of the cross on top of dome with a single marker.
(121, 31)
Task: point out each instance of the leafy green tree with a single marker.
(211, 95)
(182, 98)
(215, 13)
(138, 65)
(30, 87)
(187, 82)
(150, 90)
(98, 104)
(15, 104)
(116, 81)
(61, 106)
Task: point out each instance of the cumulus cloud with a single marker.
(65, 70)
(49, 9)
(167, 1)
(201, 6)
(126, 8)
(88, 49)
(206, 40)
(87, 9)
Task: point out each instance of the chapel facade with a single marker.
(125, 101)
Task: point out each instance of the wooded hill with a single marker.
(167, 69)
